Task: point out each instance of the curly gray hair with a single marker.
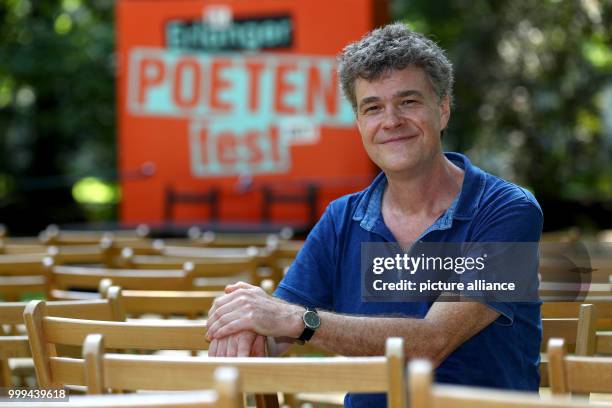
(393, 47)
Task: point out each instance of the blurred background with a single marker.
(533, 104)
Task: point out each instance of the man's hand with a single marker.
(243, 344)
(248, 308)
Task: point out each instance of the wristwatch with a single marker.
(312, 321)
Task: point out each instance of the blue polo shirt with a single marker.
(326, 274)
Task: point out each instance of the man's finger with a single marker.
(238, 285)
(222, 347)
(225, 299)
(232, 346)
(259, 347)
(212, 349)
(213, 313)
(233, 327)
(245, 343)
(223, 319)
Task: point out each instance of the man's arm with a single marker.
(445, 327)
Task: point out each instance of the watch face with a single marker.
(312, 320)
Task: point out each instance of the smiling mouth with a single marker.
(398, 139)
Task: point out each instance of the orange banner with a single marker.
(233, 111)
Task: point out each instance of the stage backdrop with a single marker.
(235, 104)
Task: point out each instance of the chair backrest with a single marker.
(14, 288)
(233, 240)
(22, 264)
(604, 344)
(202, 267)
(52, 235)
(11, 313)
(163, 302)
(17, 346)
(425, 395)
(46, 333)
(77, 254)
(212, 273)
(603, 320)
(579, 333)
(226, 393)
(577, 374)
(12, 247)
(259, 375)
(64, 278)
(602, 304)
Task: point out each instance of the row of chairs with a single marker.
(579, 331)
(227, 388)
(100, 371)
(52, 235)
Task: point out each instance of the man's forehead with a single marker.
(410, 80)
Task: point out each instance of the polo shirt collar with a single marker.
(368, 211)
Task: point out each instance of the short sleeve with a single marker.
(309, 279)
(520, 220)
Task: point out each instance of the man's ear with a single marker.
(444, 112)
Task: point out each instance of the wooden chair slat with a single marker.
(14, 347)
(163, 334)
(589, 374)
(67, 370)
(604, 343)
(261, 375)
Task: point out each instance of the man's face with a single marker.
(400, 119)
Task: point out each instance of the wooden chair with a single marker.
(603, 321)
(9, 247)
(46, 333)
(213, 273)
(21, 274)
(17, 346)
(234, 240)
(22, 264)
(162, 302)
(578, 332)
(77, 254)
(604, 344)
(114, 249)
(259, 375)
(226, 393)
(577, 374)
(424, 394)
(52, 235)
(29, 273)
(602, 304)
(65, 280)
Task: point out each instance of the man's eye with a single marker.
(408, 101)
(370, 109)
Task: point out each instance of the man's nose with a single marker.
(391, 118)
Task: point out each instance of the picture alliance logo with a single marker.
(253, 33)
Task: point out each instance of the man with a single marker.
(400, 86)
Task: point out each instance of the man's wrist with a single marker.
(296, 325)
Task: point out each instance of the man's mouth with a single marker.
(398, 139)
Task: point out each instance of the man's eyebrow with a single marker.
(408, 92)
(399, 94)
(369, 99)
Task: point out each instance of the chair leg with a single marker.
(6, 379)
(266, 401)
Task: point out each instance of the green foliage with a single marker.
(57, 100)
(533, 90)
(533, 100)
